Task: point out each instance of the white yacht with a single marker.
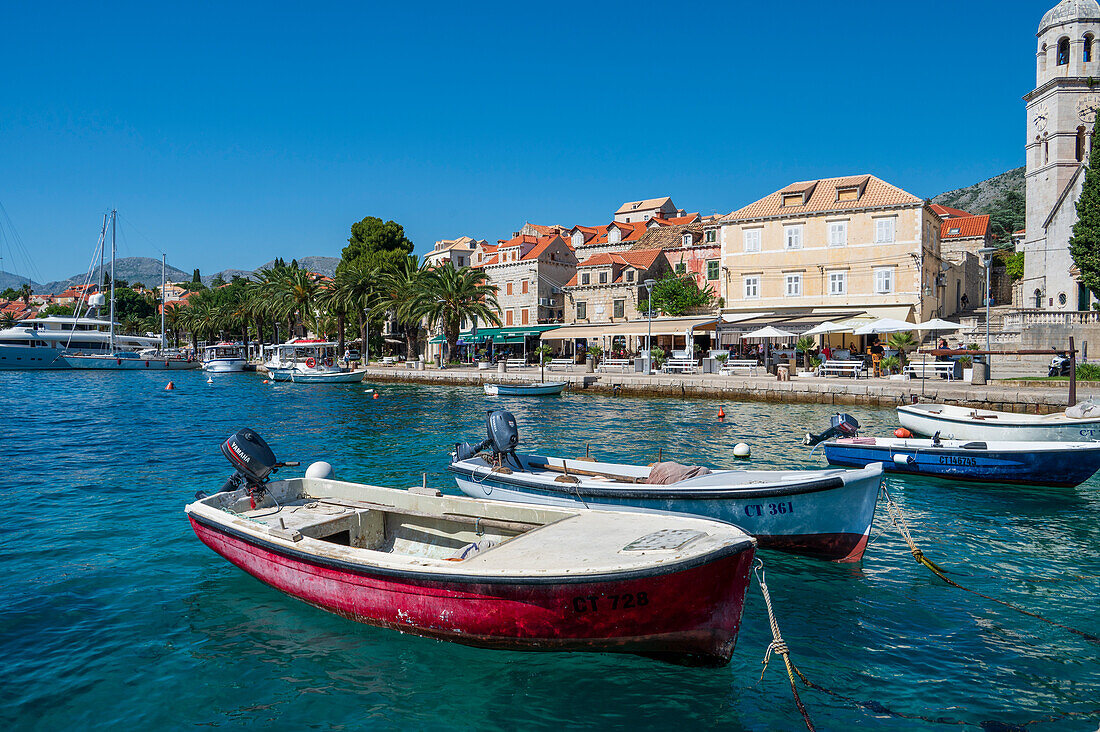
(41, 343)
(223, 358)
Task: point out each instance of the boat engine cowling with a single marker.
(503, 437)
(841, 424)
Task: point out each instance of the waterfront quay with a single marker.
(1007, 395)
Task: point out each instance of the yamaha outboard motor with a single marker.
(503, 437)
(254, 461)
(841, 425)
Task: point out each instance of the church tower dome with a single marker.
(1069, 11)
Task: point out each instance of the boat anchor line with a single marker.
(780, 646)
(899, 521)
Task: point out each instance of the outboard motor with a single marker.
(254, 460)
(841, 425)
(503, 437)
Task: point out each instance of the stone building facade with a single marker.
(1061, 111)
(608, 287)
(530, 273)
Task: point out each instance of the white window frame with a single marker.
(838, 278)
(685, 240)
(578, 239)
(603, 277)
(752, 287)
(710, 236)
(586, 278)
(886, 230)
(884, 280)
(792, 236)
(614, 236)
(793, 286)
(838, 233)
(582, 305)
(752, 239)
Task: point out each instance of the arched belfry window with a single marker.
(1086, 49)
(1038, 298)
(1063, 52)
(1080, 148)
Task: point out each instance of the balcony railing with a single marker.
(1016, 321)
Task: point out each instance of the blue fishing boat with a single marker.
(1032, 462)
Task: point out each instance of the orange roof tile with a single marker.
(822, 197)
(642, 205)
(947, 211)
(964, 227)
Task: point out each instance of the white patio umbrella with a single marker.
(827, 327)
(884, 325)
(937, 324)
(767, 333)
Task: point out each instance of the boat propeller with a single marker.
(254, 460)
(503, 437)
(841, 425)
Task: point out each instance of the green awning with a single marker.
(501, 341)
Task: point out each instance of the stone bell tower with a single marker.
(1060, 114)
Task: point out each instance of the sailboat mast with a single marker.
(113, 227)
(102, 272)
(163, 342)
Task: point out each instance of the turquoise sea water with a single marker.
(112, 614)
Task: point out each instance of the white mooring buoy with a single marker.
(741, 450)
(320, 469)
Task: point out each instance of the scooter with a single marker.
(1059, 365)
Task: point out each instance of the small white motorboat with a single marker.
(224, 358)
(825, 514)
(1075, 424)
(538, 388)
(310, 362)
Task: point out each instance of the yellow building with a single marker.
(848, 245)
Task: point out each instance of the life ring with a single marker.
(328, 362)
(311, 362)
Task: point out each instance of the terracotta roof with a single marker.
(634, 258)
(546, 230)
(642, 205)
(1019, 231)
(947, 211)
(964, 227)
(822, 197)
(669, 237)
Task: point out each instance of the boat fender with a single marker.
(311, 362)
(328, 362)
(322, 470)
(146, 364)
(902, 433)
(118, 362)
(904, 460)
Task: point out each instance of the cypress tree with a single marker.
(1084, 245)
(196, 278)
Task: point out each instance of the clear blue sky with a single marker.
(229, 133)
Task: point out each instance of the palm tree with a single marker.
(359, 284)
(335, 299)
(7, 320)
(173, 320)
(401, 291)
(454, 295)
(296, 291)
(902, 340)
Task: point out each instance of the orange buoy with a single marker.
(721, 413)
(170, 386)
(902, 433)
(265, 381)
(377, 395)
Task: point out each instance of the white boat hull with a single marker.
(961, 423)
(224, 365)
(332, 377)
(20, 358)
(115, 363)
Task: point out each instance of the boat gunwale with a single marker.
(998, 419)
(581, 489)
(438, 575)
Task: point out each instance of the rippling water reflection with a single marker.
(114, 614)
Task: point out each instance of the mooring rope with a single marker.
(780, 646)
(899, 521)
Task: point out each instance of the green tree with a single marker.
(903, 341)
(25, 293)
(804, 345)
(196, 278)
(452, 296)
(296, 292)
(677, 295)
(218, 281)
(399, 295)
(1084, 245)
(7, 320)
(376, 242)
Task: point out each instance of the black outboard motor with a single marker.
(503, 437)
(254, 461)
(841, 425)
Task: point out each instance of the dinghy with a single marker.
(825, 514)
(1038, 463)
(543, 388)
(964, 423)
(482, 573)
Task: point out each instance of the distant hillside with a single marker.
(321, 265)
(132, 269)
(1002, 197)
(7, 279)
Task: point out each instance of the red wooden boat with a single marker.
(486, 573)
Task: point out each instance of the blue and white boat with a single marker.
(224, 358)
(544, 388)
(1037, 463)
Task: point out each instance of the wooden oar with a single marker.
(577, 471)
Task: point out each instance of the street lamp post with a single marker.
(987, 252)
(649, 334)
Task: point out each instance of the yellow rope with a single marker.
(899, 521)
(779, 646)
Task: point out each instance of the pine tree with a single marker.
(1084, 245)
